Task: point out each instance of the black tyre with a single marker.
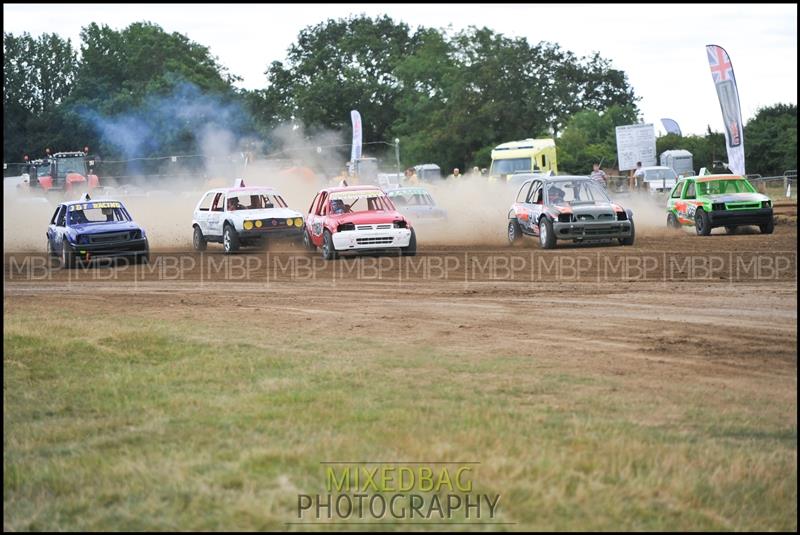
(230, 239)
(547, 237)
(67, 257)
(198, 240)
(307, 241)
(730, 229)
(672, 221)
(630, 239)
(767, 228)
(702, 223)
(514, 232)
(411, 248)
(328, 251)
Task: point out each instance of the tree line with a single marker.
(450, 97)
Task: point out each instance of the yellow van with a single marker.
(526, 156)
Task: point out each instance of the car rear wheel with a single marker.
(672, 221)
(629, 240)
(307, 243)
(547, 237)
(767, 228)
(411, 248)
(702, 224)
(514, 232)
(328, 251)
(198, 240)
(230, 240)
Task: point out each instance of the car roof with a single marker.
(406, 188)
(246, 189)
(70, 203)
(351, 188)
(559, 178)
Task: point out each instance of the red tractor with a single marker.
(63, 171)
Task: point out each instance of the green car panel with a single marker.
(718, 201)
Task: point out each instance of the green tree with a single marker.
(337, 66)
(770, 140)
(38, 74)
(590, 136)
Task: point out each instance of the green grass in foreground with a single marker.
(146, 424)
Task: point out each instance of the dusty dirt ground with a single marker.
(674, 305)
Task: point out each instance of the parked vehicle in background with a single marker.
(428, 172)
(712, 201)
(63, 171)
(659, 179)
(417, 204)
(567, 208)
(679, 160)
(528, 155)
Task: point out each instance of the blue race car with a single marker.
(86, 229)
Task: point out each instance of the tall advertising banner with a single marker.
(355, 151)
(725, 83)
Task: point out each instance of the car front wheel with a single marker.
(411, 248)
(702, 223)
(629, 240)
(328, 250)
(547, 237)
(767, 228)
(230, 240)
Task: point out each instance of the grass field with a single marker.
(179, 421)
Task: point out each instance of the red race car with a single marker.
(356, 218)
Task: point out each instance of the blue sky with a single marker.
(659, 46)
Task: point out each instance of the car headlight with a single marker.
(718, 206)
(248, 225)
(400, 224)
(82, 239)
(259, 223)
(346, 226)
(298, 222)
(290, 222)
(766, 204)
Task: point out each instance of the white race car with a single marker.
(242, 216)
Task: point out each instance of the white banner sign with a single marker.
(355, 152)
(636, 143)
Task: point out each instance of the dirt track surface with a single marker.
(673, 318)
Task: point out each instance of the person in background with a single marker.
(411, 176)
(636, 177)
(456, 173)
(598, 174)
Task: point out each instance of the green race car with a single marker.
(711, 201)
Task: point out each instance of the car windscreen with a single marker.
(255, 201)
(573, 192)
(73, 164)
(412, 198)
(660, 174)
(346, 202)
(99, 212)
(512, 165)
(717, 187)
